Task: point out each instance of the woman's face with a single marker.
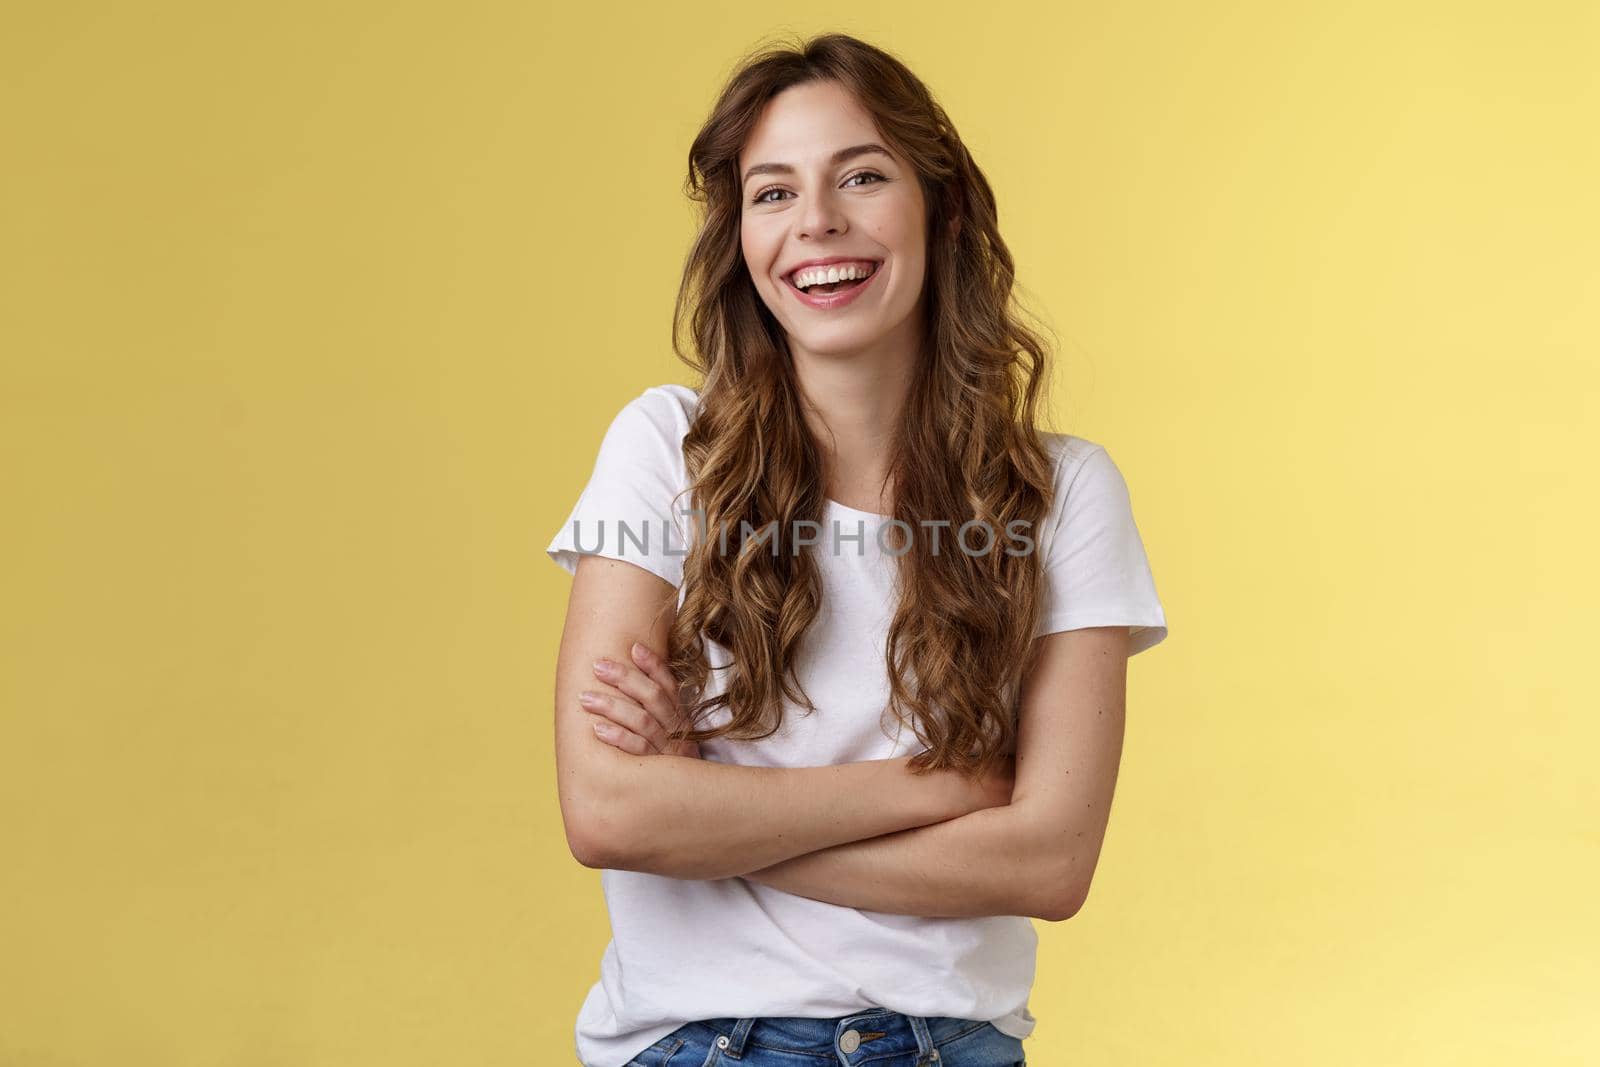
(811, 197)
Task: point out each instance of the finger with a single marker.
(655, 666)
(608, 730)
(625, 714)
(644, 691)
(617, 737)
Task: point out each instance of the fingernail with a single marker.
(587, 697)
(603, 666)
(602, 729)
(640, 652)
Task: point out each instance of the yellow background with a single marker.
(313, 316)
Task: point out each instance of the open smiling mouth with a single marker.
(814, 288)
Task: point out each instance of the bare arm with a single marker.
(977, 864)
(691, 818)
(1035, 856)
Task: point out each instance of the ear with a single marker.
(955, 210)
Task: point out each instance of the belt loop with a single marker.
(926, 1053)
(735, 1046)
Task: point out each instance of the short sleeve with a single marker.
(1096, 572)
(629, 510)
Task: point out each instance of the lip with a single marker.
(831, 300)
(827, 261)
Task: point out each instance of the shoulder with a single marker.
(1089, 494)
(1096, 570)
(1075, 458)
(652, 425)
(670, 407)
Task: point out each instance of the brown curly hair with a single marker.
(967, 448)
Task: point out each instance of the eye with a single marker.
(866, 174)
(761, 197)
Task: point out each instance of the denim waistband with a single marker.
(878, 1032)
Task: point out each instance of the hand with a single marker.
(639, 720)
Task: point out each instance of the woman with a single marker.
(866, 623)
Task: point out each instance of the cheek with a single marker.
(898, 228)
(759, 256)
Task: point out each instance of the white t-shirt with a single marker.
(684, 950)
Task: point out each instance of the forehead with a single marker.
(805, 124)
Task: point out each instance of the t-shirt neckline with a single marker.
(830, 502)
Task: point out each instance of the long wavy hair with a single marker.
(967, 447)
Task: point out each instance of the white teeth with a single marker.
(822, 275)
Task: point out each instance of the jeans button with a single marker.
(722, 1042)
(849, 1041)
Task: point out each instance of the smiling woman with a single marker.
(861, 203)
(829, 779)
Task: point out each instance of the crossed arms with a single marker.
(868, 835)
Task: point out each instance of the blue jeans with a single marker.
(877, 1037)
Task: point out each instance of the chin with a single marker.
(843, 340)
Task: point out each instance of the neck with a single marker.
(853, 403)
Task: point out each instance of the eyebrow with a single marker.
(838, 157)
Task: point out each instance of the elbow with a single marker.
(1062, 906)
(587, 848)
(1063, 893)
(597, 835)
(1055, 882)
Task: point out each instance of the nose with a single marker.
(821, 214)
